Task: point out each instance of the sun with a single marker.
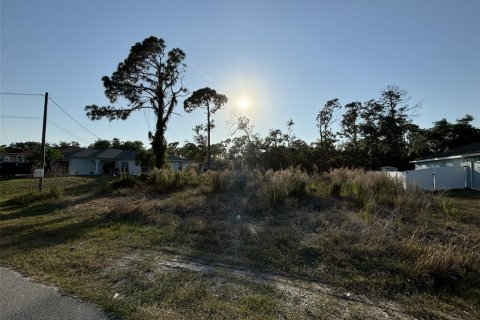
(243, 103)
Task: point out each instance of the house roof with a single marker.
(468, 150)
(109, 154)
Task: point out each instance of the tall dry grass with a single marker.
(358, 229)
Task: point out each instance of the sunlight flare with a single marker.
(243, 103)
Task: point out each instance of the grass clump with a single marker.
(53, 193)
(281, 184)
(166, 180)
(220, 181)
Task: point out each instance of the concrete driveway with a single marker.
(22, 299)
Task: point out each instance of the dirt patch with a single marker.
(300, 294)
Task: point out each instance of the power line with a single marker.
(71, 117)
(17, 117)
(59, 127)
(147, 121)
(21, 94)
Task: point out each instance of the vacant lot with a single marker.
(285, 245)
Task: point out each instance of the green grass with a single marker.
(355, 231)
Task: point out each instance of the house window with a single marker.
(20, 159)
(125, 166)
(180, 166)
(6, 158)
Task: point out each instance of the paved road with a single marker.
(23, 299)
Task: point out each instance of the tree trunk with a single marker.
(209, 154)
(159, 144)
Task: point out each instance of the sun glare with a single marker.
(243, 103)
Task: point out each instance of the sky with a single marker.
(287, 58)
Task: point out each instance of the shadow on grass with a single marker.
(94, 184)
(38, 209)
(463, 194)
(15, 229)
(47, 237)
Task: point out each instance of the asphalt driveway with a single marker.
(22, 299)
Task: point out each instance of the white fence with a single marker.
(439, 178)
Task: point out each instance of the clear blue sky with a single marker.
(286, 57)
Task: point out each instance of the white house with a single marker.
(94, 162)
(454, 169)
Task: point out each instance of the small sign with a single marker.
(38, 173)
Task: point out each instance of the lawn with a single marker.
(252, 246)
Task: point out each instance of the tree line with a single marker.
(371, 134)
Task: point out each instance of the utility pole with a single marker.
(44, 131)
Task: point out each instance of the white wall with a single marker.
(476, 175)
(435, 178)
(81, 167)
(454, 177)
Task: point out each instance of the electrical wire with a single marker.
(59, 127)
(71, 117)
(17, 117)
(147, 121)
(21, 94)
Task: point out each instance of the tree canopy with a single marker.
(211, 101)
(149, 78)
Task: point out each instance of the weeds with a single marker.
(167, 180)
(284, 183)
(53, 193)
(125, 181)
(220, 181)
(356, 230)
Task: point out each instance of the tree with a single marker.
(132, 145)
(445, 135)
(145, 159)
(211, 101)
(29, 147)
(325, 120)
(350, 123)
(101, 144)
(149, 78)
(64, 144)
(51, 155)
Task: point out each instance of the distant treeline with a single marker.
(372, 134)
